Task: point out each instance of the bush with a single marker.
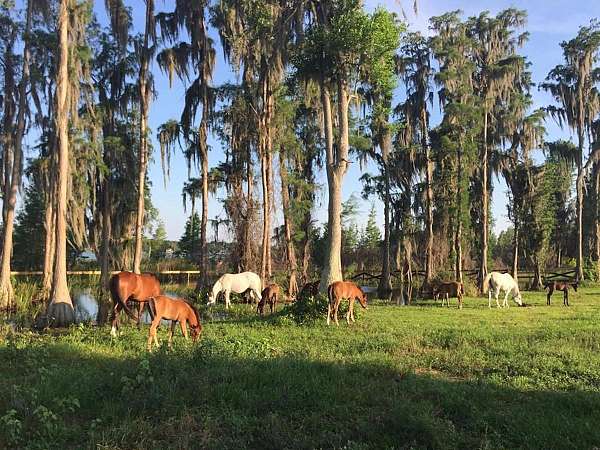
(308, 310)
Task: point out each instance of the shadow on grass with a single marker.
(199, 397)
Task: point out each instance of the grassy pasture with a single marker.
(401, 377)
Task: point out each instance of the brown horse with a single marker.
(340, 290)
(175, 310)
(269, 295)
(560, 286)
(449, 289)
(128, 286)
(309, 290)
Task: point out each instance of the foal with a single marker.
(449, 289)
(175, 310)
(269, 295)
(340, 290)
(560, 286)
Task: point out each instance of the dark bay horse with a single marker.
(449, 289)
(269, 295)
(175, 310)
(339, 291)
(128, 286)
(560, 286)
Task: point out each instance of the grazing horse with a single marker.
(340, 290)
(560, 286)
(175, 310)
(502, 281)
(449, 289)
(238, 283)
(309, 290)
(269, 295)
(129, 286)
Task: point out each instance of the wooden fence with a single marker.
(524, 277)
(169, 276)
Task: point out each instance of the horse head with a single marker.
(363, 301)
(518, 299)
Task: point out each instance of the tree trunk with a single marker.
(515, 262)
(336, 169)
(458, 235)
(428, 201)
(249, 208)
(484, 205)
(49, 246)
(204, 220)
(60, 310)
(104, 300)
(143, 156)
(385, 284)
(597, 222)
(289, 243)
(579, 258)
(12, 160)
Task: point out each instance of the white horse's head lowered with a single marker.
(518, 299)
(212, 296)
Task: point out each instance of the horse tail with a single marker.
(330, 293)
(116, 295)
(462, 288)
(486, 283)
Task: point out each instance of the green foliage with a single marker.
(28, 253)
(188, 243)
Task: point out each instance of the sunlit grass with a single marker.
(422, 376)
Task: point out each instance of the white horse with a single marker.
(502, 281)
(238, 283)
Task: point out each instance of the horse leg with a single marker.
(505, 302)
(183, 326)
(171, 331)
(336, 307)
(447, 300)
(490, 299)
(115, 320)
(496, 296)
(349, 313)
(152, 332)
(140, 310)
(227, 292)
(566, 297)
(352, 311)
(328, 312)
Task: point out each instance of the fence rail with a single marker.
(97, 272)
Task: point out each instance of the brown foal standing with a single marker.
(269, 295)
(340, 290)
(175, 310)
(560, 286)
(449, 289)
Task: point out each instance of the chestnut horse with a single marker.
(128, 286)
(560, 286)
(449, 289)
(269, 295)
(175, 310)
(340, 290)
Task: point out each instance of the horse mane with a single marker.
(195, 313)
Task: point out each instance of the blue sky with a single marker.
(549, 23)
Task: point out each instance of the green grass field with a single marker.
(401, 377)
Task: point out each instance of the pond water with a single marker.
(86, 307)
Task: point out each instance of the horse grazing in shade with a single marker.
(269, 295)
(129, 286)
(560, 286)
(175, 310)
(309, 290)
(449, 289)
(340, 290)
(238, 283)
(501, 281)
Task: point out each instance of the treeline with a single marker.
(318, 89)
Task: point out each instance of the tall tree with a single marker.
(497, 69)
(199, 55)
(572, 85)
(415, 68)
(60, 310)
(145, 89)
